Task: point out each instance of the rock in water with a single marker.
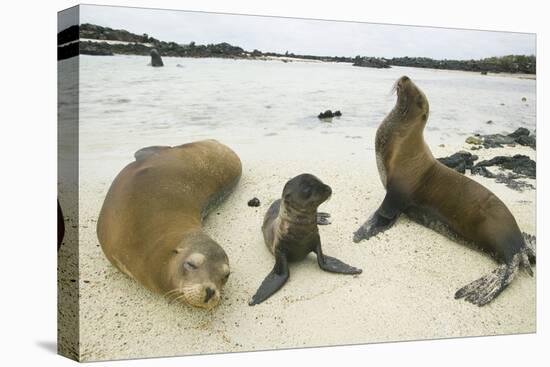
(329, 114)
(156, 60)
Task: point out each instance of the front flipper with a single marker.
(384, 217)
(488, 287)
(333, 265)
(323, 218)
(273, 282)
(374, 225)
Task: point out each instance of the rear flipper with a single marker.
(273, 282)
(531, 243)
(323, 218)
(488, 287)
(333, 265)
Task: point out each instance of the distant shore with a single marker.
(90, 39)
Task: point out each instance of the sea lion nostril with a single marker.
(405, 78)
(209, 293)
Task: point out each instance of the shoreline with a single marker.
(300, 60)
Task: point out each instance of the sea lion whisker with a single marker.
(177, 298)
(170, 292)
(174, 294)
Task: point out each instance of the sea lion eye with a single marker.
(226, 277)
(307, 191)
(189, 265)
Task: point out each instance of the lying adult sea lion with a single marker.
(150, 223)
(429, 192)
(290, 232)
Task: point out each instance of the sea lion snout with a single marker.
(411, 101)
(209, 293)
(203, 296)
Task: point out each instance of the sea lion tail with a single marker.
(487, 288)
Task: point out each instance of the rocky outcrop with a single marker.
(371, 62)
(519, 164)
(514, 169)
(521, 136)
(504, 64)
(135, 43)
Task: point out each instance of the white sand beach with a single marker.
(410, 273)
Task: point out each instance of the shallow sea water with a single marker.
(124, 103)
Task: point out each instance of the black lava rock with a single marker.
(254, 202)
(459, 161)
(519, 132)
(329, 114)
(519, 164)
(497, 140)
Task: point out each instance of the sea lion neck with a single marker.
(299, 216)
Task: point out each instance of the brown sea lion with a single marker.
(290, 232)
(430, 193)
(150, 225)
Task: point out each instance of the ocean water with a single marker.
(125, 104)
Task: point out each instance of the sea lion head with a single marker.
(305, 192)
(199, 269)
(411, 101)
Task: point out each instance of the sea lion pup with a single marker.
(290, 232)
(150, 225)
(429, 192)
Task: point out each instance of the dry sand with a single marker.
(405, 292)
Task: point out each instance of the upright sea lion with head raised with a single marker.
(290, 232)
(429, 192)
(150, 225)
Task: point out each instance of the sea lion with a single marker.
(150, 225)
(156, 60)
(430, 193)
(290, 232)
